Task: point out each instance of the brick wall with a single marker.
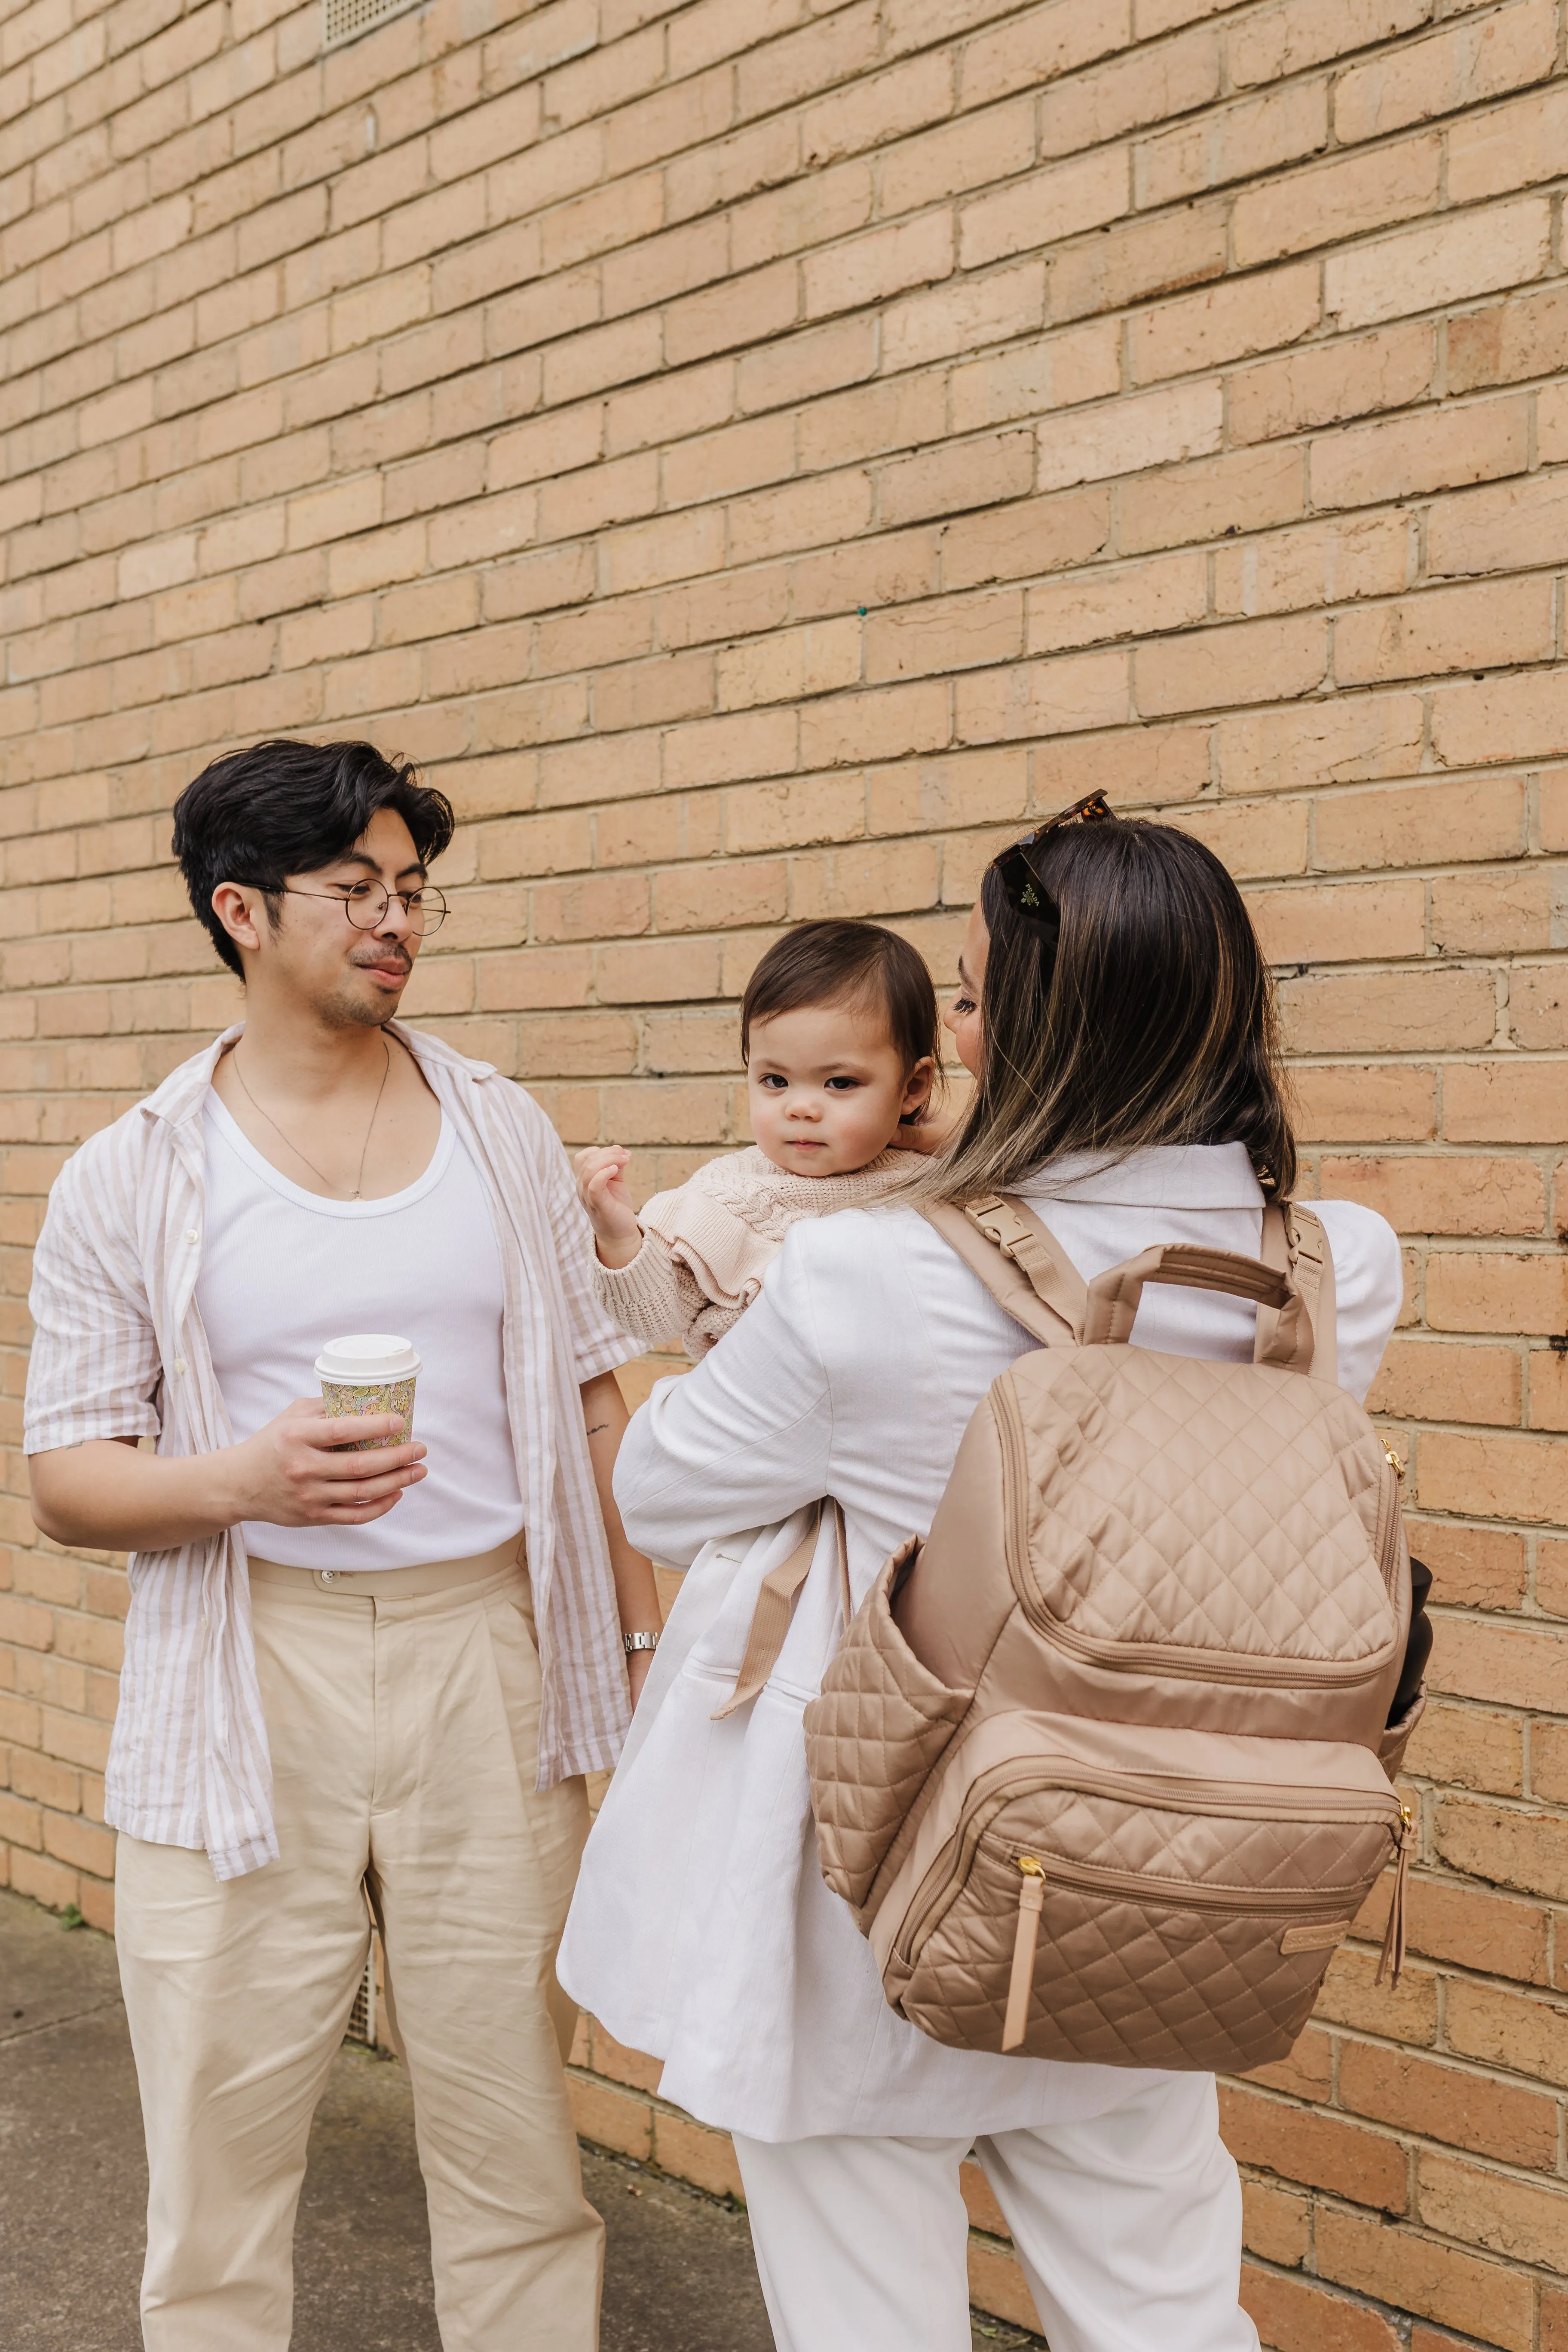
(757, 452)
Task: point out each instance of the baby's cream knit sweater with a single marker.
(706, 1244)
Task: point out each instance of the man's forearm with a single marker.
(107, 1496)
(302, 1469)
(636, 1594)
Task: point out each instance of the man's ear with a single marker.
(232, 904)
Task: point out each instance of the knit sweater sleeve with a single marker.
(656, 1298)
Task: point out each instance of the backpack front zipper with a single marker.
(949, 1874)
(1032, 1879)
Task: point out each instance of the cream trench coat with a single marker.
(702, 1931)
(701, 1927)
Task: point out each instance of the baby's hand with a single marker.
(601, 1189)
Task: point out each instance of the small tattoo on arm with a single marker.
(595, 1426)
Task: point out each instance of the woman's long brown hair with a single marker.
(1151, 1022)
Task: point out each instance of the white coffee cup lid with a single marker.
(374, 1356)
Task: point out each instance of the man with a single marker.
(333, 1690)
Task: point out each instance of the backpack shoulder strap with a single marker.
(1313, 1262)
(775, 1600)
(1021, 1263)
(1028, 1272)
(1295, 1243)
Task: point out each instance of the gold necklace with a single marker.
(272, 1123)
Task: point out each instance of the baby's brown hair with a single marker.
(850, 963)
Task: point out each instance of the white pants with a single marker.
(1128, 2228)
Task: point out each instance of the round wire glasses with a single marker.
(365, 904)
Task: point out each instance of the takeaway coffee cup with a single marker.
(369, 1372)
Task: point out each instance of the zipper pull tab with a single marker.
(1391, 1957)
(1395, 1463)
(1031, 1895)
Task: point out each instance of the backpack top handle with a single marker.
(1040, 1286)
(1284, 1338)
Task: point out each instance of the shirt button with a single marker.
(192, 1235)
(181, 1366)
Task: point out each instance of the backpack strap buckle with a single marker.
(1026, 1243)
(1293, 1232)
(999, 1221)
(1303, 1233)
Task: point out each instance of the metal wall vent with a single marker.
(345, 20)
(362, 2021)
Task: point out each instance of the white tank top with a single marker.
(283, 1270)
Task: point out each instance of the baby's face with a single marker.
(828, 1088)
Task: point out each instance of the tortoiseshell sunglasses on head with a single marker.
(1022, 886)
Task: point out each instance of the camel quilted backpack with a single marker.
(1103, 1764)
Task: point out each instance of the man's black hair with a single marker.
(282, 808)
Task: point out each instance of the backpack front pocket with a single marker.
(1134, 1915)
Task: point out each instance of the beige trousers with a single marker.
(402, 1714)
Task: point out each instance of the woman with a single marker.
(1115, 1011)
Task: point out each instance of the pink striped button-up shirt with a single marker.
(119, 1351)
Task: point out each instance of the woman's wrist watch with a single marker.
(633, 1642)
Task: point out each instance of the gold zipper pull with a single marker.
(1031, 1895)
(1395, 1463)
(1390, 1959)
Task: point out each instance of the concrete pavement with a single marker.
(73, 2187)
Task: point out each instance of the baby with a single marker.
(840, 1039)
(838, 1034)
